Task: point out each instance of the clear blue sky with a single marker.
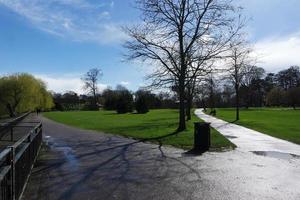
(59, 40)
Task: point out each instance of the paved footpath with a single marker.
(247, 139)
(88, 165)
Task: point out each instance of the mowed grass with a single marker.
(280, 123)
(154, 124)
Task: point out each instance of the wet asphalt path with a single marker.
(80, 164)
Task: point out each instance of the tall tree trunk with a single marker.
(10, 110)
(190, 94)
(248, 98)
(237, 102)
(188, 113)
(94, 94)
(181, 125)
(188, 108)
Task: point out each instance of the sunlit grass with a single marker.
(278, 122)
(156, 123)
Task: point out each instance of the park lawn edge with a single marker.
(183, 140)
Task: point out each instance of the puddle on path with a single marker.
(68, 152)
(276, 154)
(230, 137)
(70, 156)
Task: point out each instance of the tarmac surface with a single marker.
(88, 165)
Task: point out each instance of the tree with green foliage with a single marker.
(288, 78)
(124, 102)
(293, 97)
(110, 99)
(276, 97)
(23, 92)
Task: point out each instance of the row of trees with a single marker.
(23, 92)
(255, 89)
(70, 100)
(120, 99)
(142, 100)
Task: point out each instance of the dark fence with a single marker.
(9, 125)
(16, 162)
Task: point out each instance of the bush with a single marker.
(141, 106)
(124, 102)
(110, 99)
(141, 101)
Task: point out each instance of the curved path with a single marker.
(249, 140)
(81, 164)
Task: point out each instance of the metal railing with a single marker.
(9, 125)
(16, 162)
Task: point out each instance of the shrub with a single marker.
(110, 99)
(124, 102)
(141, 106)
(141, 101)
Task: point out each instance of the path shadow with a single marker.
(117, 164)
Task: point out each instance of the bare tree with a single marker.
(90, 80)
(251, 73)
(238, 60)
(177, 34)
(197, 73)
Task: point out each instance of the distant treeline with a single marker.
(257, 89)
(22, 92)
(120, 99)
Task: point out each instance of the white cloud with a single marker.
(125, 83)
(105, 14)
(79, 20)
(278, 53)
(66, 83)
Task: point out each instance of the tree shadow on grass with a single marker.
(153, 124)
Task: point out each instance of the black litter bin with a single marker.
(202, 136)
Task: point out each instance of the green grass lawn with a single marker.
(140, 126)
(280, 123)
